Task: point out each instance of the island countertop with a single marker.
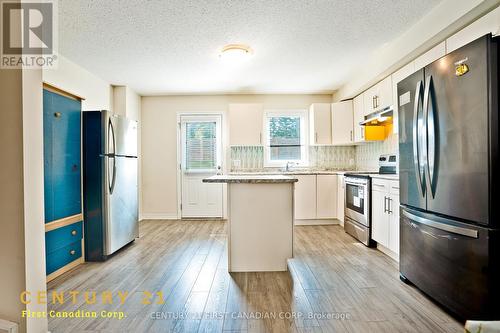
(257, 179)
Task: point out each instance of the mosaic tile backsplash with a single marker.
(322, 157)
(363, 157)
(367, 154)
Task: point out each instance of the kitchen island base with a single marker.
(260, 224)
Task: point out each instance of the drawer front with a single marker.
(394, 187)
(64, 236)
(380, 185)
(63, 256)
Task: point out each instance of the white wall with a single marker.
(445, 19)
(159, 139)
(22, 228)
(74, 79)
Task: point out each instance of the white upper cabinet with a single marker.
(379, 96)
(397, 77)
(320, 130)
(359, 116)
(432, 55)
(326, 196)
(245, 124)
(342, 123)
(486, 24)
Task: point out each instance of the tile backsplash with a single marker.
(362, 157)
(367, 154)
(323, 157)
(247, 158)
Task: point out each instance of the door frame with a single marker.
(181, 114)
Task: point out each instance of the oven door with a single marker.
(356, 201)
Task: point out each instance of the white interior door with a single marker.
(201, 157)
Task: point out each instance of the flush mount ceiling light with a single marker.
(235, 53)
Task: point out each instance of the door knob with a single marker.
(57, 114)
(73, 232)
(72, 252)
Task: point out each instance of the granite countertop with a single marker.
(292, 172)
(250, 178)
(390, 176)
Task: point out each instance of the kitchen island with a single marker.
(260, 221)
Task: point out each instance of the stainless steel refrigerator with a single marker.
(449, 188)
(109, 183)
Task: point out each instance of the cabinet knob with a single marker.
(57, 114)
(73, 232)
(72, 252)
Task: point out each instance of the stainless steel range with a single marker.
(357, 219)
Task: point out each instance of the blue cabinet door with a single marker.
(62, 156)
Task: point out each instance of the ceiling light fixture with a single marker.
(235, 53)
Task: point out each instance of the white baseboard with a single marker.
(317, 222)
(157, 216)
(394, 256)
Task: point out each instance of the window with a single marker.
(285, 138)
(200, 140)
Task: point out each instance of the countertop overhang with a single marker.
(254, 179)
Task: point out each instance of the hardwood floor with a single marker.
(334, 284)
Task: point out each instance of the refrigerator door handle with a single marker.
(416, 146)
(441, 226)
(430, 135)
(111, 132)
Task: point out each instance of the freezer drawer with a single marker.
(452, 262)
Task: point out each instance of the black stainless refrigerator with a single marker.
(109, 183)
(449, 188)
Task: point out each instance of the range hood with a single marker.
(379, 118)
(378, 125)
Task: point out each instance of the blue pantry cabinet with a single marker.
(62, 181)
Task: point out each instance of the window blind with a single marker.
(201, 145)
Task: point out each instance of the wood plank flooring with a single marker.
(334, 284)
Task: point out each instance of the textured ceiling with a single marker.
(171, 47)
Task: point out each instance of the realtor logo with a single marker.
(28, 34)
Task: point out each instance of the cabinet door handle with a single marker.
(73, 232)
(316, 137)
(389, 205)
(260, 137)
(57, 114)
(385, 204)
(72, 252)
(373, 102)
(352, 139)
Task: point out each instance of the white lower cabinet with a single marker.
(316, 198)
(340, 198)
(380, 219)
(394, 223)
(305, 197)
(385, 214)
(326, 196)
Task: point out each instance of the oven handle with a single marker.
(353, 182)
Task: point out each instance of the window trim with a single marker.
(304, 137)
